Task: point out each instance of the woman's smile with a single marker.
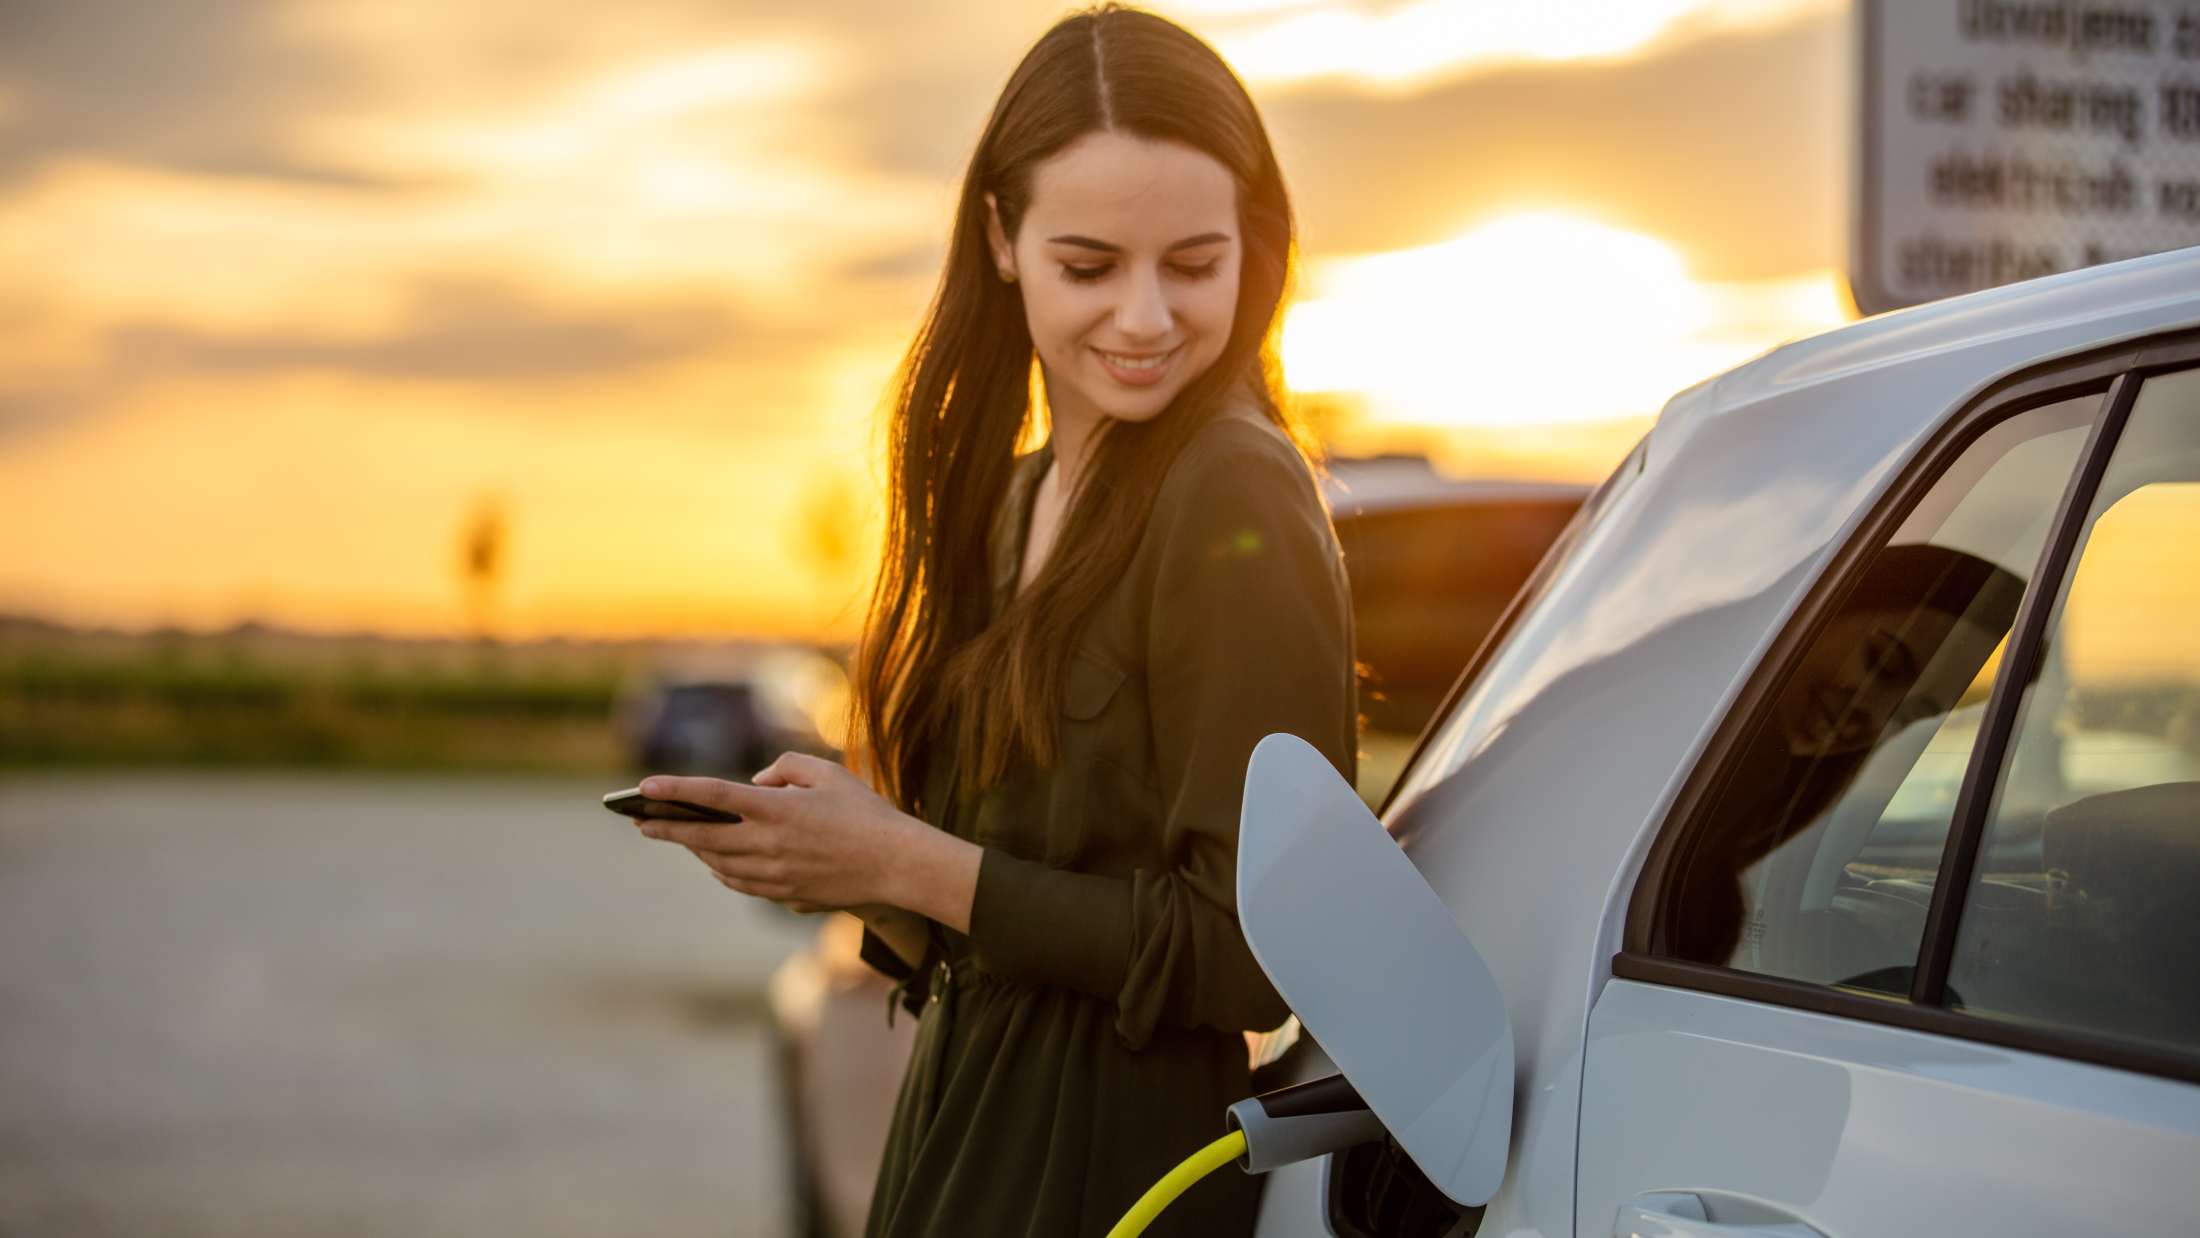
(1137, 369)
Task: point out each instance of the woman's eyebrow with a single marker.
(1086, 242)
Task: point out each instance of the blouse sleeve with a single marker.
(1249, 633)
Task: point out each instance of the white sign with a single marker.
(2004, 139)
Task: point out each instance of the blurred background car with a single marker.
(728, 713)
(1433, 562)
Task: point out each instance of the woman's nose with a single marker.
(1143, 313)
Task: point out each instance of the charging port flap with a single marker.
(1375, 967)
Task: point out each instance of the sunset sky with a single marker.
(293, 290)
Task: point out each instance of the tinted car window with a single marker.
(1816, 855)
(2084, 908)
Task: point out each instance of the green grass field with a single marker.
(263, 697)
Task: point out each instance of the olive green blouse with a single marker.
(1086, 1035)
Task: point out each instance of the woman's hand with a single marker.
(813, 836)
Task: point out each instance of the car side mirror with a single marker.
(1375, 967)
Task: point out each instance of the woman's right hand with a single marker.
(898, 927)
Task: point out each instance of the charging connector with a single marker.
(1301, 1122)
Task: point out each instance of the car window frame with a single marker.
(2115, 373)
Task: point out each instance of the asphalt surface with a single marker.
(363, 1005)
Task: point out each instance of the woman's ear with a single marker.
(996, 238)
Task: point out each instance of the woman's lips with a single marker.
(1133, 370)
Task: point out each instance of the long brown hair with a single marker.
(930, 667)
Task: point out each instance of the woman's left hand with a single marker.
(813, 836)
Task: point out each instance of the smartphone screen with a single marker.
(633, 803)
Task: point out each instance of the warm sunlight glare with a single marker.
(717, 78)
(1409, 43)
(653, 93)
(1534, 319)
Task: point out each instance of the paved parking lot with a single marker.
(311, 1005)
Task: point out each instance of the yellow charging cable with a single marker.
(1163, 1193)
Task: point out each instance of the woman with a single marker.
(1071, 653)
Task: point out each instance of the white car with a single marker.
(1819, 835)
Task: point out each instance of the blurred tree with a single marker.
(481, 561)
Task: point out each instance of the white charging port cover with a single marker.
(1375, 967)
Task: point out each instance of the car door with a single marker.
(1918, 949)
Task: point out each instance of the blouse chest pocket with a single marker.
(1097, 794)
(1100, 789)
(1091, 684)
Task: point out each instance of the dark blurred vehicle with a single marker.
(713, 728)
(1433, 562)
(728, 713)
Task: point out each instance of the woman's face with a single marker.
(1128, 260)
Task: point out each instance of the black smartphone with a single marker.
(635, 804)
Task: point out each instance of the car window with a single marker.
(1816, 853)
(2084, 907)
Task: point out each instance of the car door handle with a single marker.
(1680, 1214)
